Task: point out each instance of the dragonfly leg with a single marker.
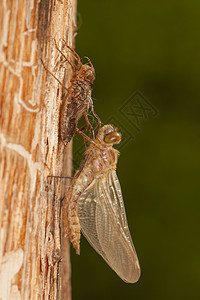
(98, 119)
(75, 55)
(78, 131)
(71, 64)
(76, 175)
(54, 76)
(88, 124)
(90, 63)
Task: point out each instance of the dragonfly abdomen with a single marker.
(73, 194)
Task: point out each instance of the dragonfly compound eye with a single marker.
(112, 138)
(90, 76)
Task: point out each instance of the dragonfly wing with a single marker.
(103, 221)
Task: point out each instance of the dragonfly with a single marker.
(78, 100)
(94, 205)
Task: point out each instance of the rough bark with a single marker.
(34, 257)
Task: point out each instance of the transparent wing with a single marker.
(103, 221)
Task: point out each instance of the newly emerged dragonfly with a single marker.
(95, 205)
(77, 100)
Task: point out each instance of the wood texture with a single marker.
(34, 259)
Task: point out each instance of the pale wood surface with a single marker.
(33, 264)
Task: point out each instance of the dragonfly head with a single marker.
(109, 135)
(88, 73)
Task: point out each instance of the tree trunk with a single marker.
(34, 256)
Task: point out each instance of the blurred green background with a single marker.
(152, 47)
